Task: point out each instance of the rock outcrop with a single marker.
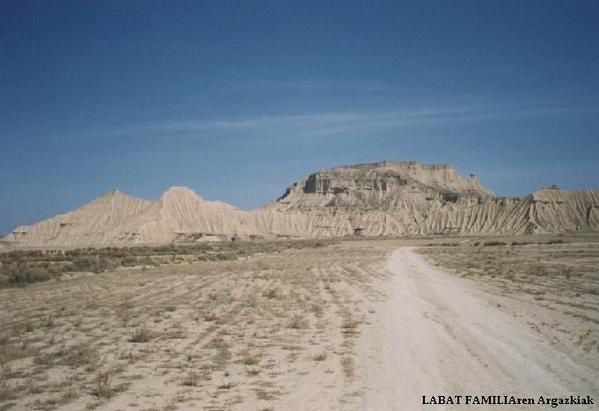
(380, 186)
(378, 199)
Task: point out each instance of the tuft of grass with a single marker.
(321, 356)
(191, 379)
(250, 360)
(349, 324)
(82, 354)
(347, 364)
(141, 335)
(568, 273)
(210, 316)
(224, 386)
(298, 322)
(48, 322)
(271, 293)
(69, 394)
(103, 384)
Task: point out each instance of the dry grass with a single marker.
(103, 384)
(141, 335)
(224, 325)
(556, 278)
(321, 356)
(19, 268)
(192, 379)
(208, 333)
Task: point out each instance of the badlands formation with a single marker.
(378, 199)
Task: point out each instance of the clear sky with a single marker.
(238, 99)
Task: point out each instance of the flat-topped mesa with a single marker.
(381, 185)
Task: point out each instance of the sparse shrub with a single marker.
(103, 386)
(141, 335)
(82, 263)
(148, 261)
(129, 261)
(568, 273)
(191, 379)
(48, 322)
(79, 355)
(122, 313)
(70, 394)
(271, 293)
(210, 316)
(224, 386)
(349, 324)
(320, 356)
(222, 356)
(493, 243)
(347, 364)
(298, 322)
(24, 274)
(250, 360)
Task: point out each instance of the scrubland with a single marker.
(551, 282)
(270, 329)
(258, 326)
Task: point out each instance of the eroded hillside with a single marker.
(377, 199)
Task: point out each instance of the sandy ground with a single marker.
(439, 334)
(276, 331)
(356, 325)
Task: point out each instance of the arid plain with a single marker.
(294, 325)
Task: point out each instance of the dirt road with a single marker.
(439, 334)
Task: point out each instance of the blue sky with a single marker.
(238, 99)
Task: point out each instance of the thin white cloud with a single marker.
(310, 123)
(337, 123)
(306, 85)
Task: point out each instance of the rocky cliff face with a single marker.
(380, 186)
(378, 199)
(382, 199)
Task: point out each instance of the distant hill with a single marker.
(377, 199)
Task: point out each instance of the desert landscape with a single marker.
(374, 199)
(262, 310)
(279, 205)
(335, 324)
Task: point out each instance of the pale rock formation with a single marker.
(98, 222)
(378, 199)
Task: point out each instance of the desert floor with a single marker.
(370, 324)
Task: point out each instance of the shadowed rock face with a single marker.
(378, 199)
(380, 186)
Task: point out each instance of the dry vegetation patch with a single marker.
(229, 327)
(552, 281)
